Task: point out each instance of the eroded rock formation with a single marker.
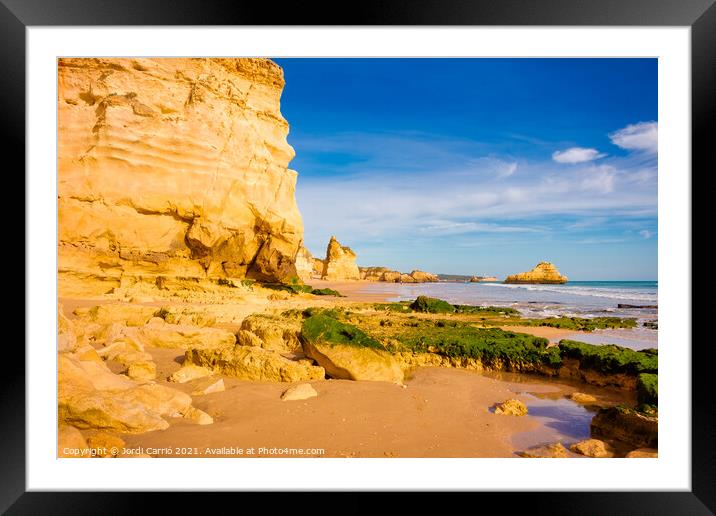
(340, 262)
(391, 276)
(174, 167)
(544, 272)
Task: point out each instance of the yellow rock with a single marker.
(174, 166)
(175, 336)
(66, 336)
(423, 277)
(252, 363)
(71, 443)
(593, 448)
(643, 453)
(340, 263)
(91, 396)
(198, 416)
(305, 264)
(103, 444)
(88, 353)
(546, 451)
(189, 372)
(123, 313)
(580, 397)
(390, 276)
(209, 387)
(511, 407)
(354, 362)
(142, 371)
(301, 391)
(186, 316)
(544, 272)
(274, 332)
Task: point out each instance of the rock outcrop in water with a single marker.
(544, 272)
(340, 262)
(174, 167)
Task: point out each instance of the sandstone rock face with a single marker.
(592, 448)
(252, 363)
(390, 276)
(544, 272)
(271, 332)
(340, 263)
(480, 279)
(162, 335)
(354, 362)
(66, 335)
(302, 391)
(626, 425)
(174, 167)
(305, 264)
(91, 396)
(511, 407)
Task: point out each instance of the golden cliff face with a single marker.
(544, 272)
(340, 262)
(174, 167)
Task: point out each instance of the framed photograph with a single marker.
(424, 249)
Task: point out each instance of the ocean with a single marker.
(572, 299)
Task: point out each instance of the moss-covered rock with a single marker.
(578, 323)
(432, 305)
(610, 359)
(345, 351)
(647, 389)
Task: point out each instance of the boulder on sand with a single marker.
(346, 352)
(511, 407)
(301, 391)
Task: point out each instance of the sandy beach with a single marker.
(440, 413)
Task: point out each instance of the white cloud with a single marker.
(507, 170)
(643, 136)
(576, 155)
(645, 234)
(406, 195)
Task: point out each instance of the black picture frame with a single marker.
(700, 15)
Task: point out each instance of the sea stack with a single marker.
(544, 272)
(340, 262)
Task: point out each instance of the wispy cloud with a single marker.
(645, 234)
(414, 189)
(642, 136)
(576, 155)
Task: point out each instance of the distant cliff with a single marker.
(544, 272)
(174, 167)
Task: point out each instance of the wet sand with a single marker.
(554, 335)
(357, 291)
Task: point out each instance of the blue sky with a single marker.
(479, 166)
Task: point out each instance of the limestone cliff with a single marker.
(340, 262)
(390, 276)
(174, 167)
(305, 264)
(544, 272)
